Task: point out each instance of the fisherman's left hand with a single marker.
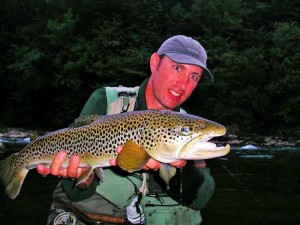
(152, 164)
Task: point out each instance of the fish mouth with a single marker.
(202, 149)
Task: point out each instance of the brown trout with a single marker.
(166, 136)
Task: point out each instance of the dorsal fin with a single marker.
(132, 157)
(33, 137)
(84, 120)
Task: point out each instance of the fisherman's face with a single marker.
(173, 83)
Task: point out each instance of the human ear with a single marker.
(154, 61)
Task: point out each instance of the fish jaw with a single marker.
(203, 150)
(199, 148)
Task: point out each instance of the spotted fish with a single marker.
(166, 136)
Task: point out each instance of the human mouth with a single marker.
(175, 93)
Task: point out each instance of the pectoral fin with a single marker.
(132, 157)
(166, 172)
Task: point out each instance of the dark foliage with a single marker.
(56, 52)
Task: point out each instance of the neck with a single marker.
(151, 101)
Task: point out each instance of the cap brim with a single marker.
(186, 59)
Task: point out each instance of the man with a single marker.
(176, 69)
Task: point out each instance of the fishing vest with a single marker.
(122, 99)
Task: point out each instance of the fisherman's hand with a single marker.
(152, 164)
(56, 169)
(200, 163)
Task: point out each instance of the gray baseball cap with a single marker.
(186, 50)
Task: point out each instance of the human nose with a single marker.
(182, 82)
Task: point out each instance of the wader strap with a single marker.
(120, 99)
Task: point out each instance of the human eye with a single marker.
(177, 68)
(195, 77)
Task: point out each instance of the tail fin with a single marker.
(12, 178)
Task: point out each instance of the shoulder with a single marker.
(99, 93)
(96, 104)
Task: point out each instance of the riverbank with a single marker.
(25, 135)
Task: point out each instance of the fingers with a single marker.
(55, 168)
(43, 170)
(72, 170)
(119, 149)
(152, 164)
(155, 165)
(178, 164)
(114, 162)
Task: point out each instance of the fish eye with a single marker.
(186, 130)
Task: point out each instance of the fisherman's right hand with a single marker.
(152, 164)
(72, 171)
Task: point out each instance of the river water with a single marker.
(254, 186)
